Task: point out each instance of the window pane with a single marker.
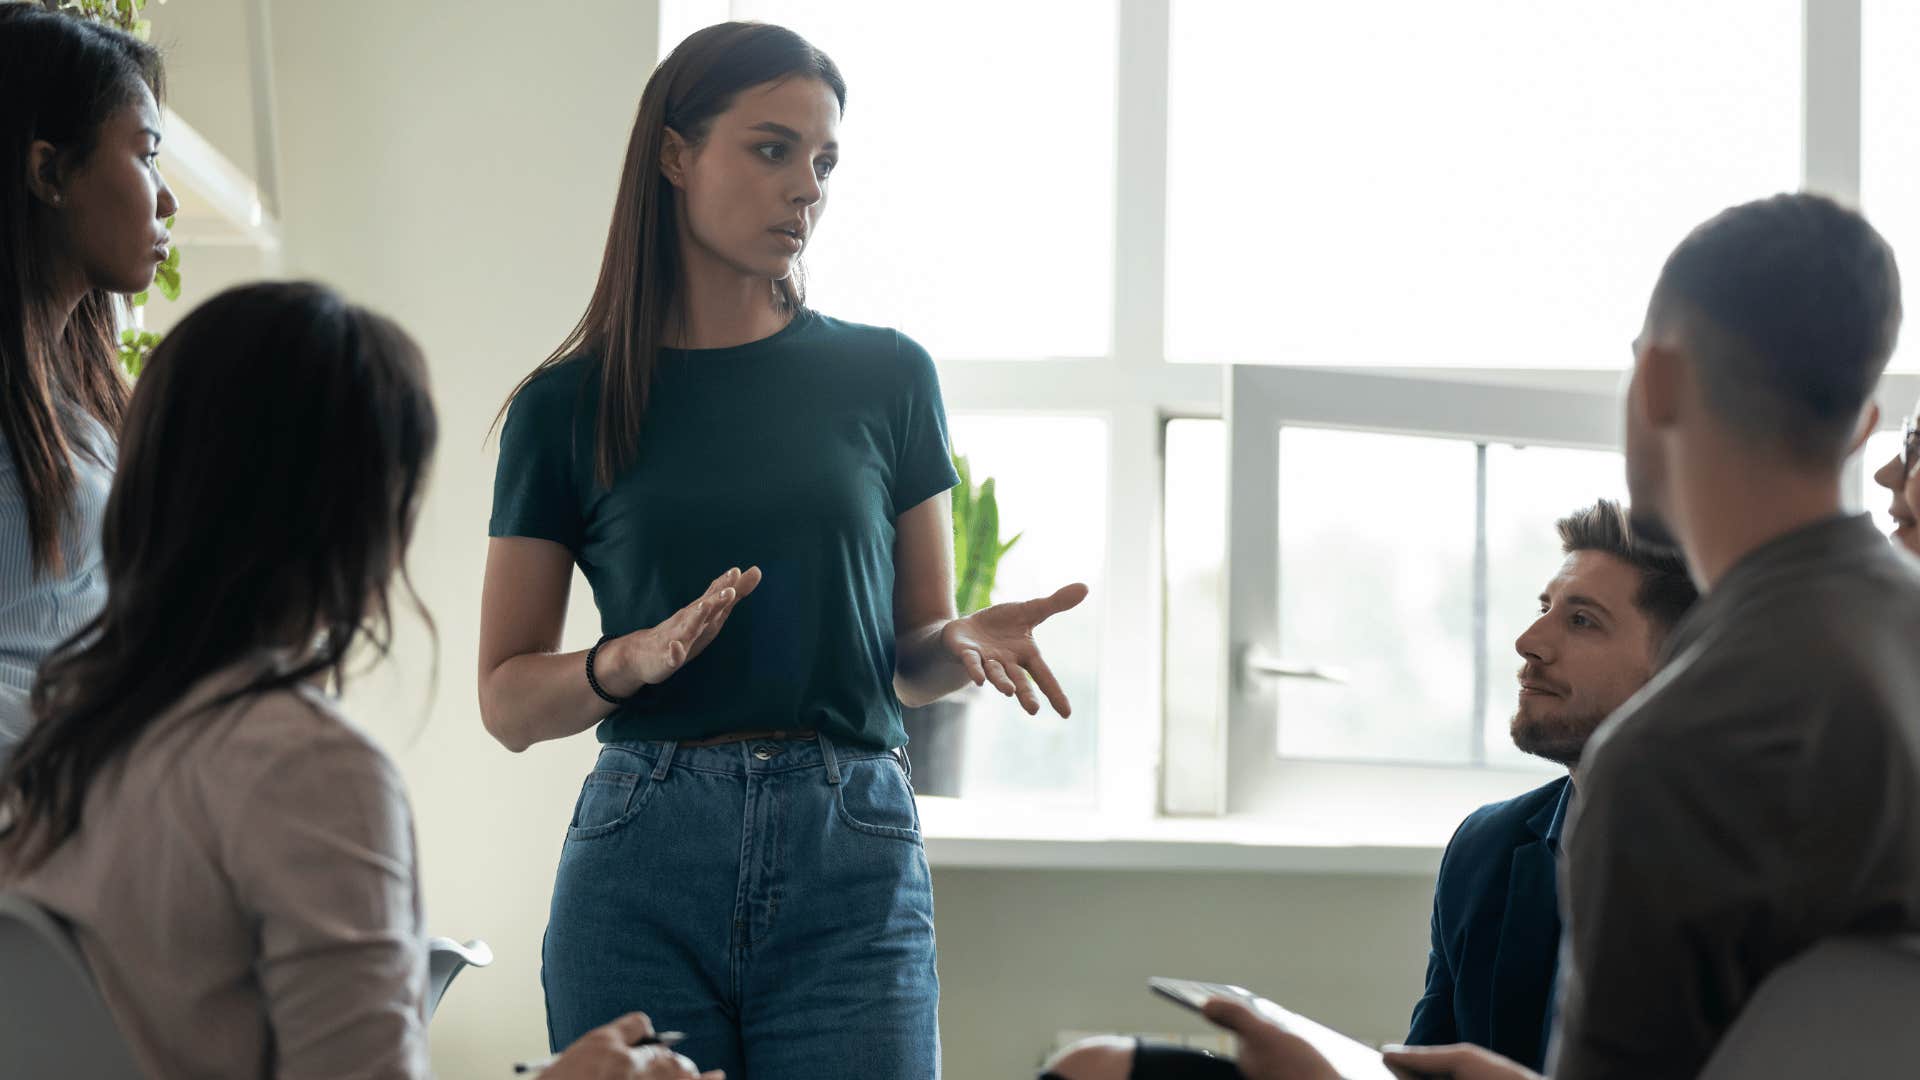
(1050, 481)
(973, 207)
(1879, 450)
(1528, 490)
(1376, 579)
(1889, 139)
(1194, 542)
(1461, 167)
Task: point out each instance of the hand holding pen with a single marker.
(627, 1049)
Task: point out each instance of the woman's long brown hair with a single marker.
(61, 78)
(625, 324)
(272, 463)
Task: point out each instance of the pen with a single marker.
(665, 1038)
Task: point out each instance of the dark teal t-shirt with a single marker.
(795, 454)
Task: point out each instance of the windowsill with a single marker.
(1316, 817)
(966, 835)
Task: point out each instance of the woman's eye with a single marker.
(1580, 619)
(825, 168)
(772, 151)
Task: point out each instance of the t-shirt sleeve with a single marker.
(533, 489)
(324, 863)
(923, 462)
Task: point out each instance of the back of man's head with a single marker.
(1789, 307)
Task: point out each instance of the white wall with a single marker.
(454, 165)
(1025, 954)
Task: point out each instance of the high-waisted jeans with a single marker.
(771, 899)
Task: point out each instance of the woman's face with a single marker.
(1906, 495)
(112, 209)
(754, 189)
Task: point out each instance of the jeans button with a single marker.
(765, 752)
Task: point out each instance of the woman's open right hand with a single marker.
(644, 657)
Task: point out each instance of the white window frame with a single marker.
(1136, 389)
(1247, 774)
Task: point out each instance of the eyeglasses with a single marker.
(1910, 446)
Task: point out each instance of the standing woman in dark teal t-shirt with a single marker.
(756, 493)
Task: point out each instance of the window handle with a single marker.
(1258, 663)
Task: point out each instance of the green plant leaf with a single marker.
(167, 277)
(983, 542)
(139, 299)
(977, 547)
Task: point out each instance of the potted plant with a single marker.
(936, 733)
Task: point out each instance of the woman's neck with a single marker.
(721, 307)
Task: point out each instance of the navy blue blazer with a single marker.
(1496, 930)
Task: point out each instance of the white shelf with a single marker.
(220, 205)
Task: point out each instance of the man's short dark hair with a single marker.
(1791, 307)
(1666, 590)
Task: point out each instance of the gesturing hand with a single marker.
(651, 655)
(996, 646)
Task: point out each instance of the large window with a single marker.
(1503, 176)
(1100, 215)
(1889, 138)
(973, 204)
(1050, 484)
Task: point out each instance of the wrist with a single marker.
(614, 669)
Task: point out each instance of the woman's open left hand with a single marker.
(995, 645)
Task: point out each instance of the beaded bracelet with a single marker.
(595, 683)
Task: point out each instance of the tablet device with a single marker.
(1352, 1058)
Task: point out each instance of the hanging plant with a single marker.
(119, 14)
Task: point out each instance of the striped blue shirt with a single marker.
(39, 611)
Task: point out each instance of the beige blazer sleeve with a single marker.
(322, 856)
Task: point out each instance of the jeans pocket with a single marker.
(608, 800)
(873, 797)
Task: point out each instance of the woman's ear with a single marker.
(43, 172)
(674, 154)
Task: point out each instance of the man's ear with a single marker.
(1869, 422)
(674, 154)
(1661, 383)
(44, 179)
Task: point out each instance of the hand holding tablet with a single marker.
(1277, 1044)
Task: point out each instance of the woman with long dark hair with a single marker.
(757, 494)
(235, 858)
(83, 215)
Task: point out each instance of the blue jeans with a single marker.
(769, 899)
